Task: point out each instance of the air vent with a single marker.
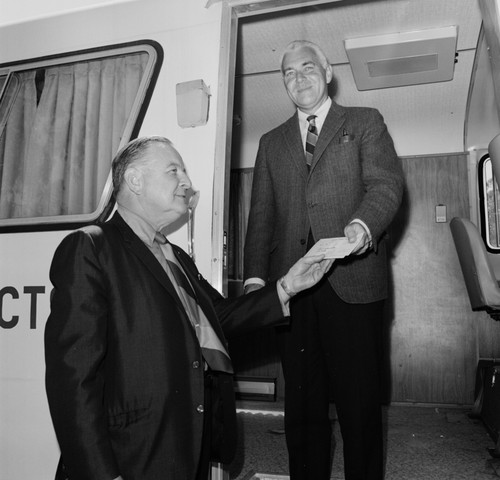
(398, 59)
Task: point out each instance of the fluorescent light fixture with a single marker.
(393, 60)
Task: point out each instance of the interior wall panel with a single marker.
(433, 339)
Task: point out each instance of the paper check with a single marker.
(338, 247)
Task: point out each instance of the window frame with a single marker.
(130, 131)
(483, 204)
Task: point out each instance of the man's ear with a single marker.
(329, 73)
(133, 179)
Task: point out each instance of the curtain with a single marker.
(56, 156)
(21, 97)
(239, 207)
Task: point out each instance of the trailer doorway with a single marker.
(255, 356)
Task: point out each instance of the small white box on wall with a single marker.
(440, 213)
(193, 99)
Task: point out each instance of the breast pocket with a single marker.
(341, 165)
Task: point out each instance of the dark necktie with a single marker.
(311, 139)
(213, 350)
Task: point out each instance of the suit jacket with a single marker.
(355, 174)
(124, 371)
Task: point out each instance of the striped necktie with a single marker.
(311, 139)
(212, 348)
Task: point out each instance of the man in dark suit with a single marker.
(137, 374)
(328, 171)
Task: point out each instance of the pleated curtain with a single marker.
(57, 145)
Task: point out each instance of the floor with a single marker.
(422, 442)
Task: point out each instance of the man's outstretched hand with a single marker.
(306, 272)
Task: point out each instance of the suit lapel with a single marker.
(333, 121)
(293, 141)
(202, 298)
(137, 247)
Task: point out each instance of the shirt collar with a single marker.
(320, 113)
(144, 230)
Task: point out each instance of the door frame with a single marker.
(232, 11)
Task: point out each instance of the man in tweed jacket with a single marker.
(353, 188)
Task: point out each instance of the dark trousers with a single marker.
(332, 349)
(219, 423)
(206, 441)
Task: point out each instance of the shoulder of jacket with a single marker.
(280, 128)
(94, 230)
(91, 234)
(357, 111)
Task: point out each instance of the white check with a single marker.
(338, 247)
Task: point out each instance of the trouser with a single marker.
(206, 441)
(219, 423)
(332, 349)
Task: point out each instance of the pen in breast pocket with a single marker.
(346, 137)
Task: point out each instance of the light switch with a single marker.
(440, 213)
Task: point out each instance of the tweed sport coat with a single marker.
(124, 371)
(355, 174)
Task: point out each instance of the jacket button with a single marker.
(200, 409)
(196, 364)
(302, 241)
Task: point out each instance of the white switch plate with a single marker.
(440, 213)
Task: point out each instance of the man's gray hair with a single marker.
(296, 44)
(132, 153)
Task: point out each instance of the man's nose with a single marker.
(300, 77)
(185, 181)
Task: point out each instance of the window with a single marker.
(489, 197)
(62, 119)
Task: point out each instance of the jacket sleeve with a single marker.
(382, 176)
(247, 313)
(75, 349)
(258, 240)
(238, 315)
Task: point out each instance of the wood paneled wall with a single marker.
(433, 339)
(431, 330)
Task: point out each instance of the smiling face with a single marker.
(163, 183)
(306, 79)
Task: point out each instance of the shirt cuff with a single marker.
(365, 226)
(256, 280)
(284, 299)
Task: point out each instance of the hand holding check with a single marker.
(332, 248)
